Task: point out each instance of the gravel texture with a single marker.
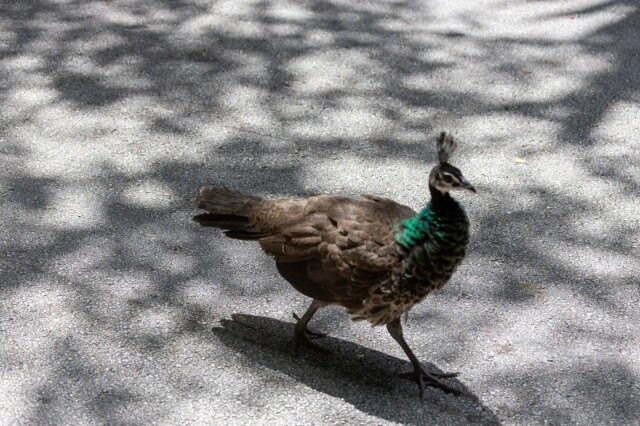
(115, 308)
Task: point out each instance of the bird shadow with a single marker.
(367, 379)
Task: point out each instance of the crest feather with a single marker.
(446, 145)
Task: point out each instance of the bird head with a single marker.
(444, 177)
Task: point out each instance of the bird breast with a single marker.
(386, 304)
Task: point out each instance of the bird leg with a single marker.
(302, 333)
(419, 374)
(411, 375)
(313, 335)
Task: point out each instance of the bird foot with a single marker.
(412, 375)
(310, 334)
(432, 379)
(303, 337)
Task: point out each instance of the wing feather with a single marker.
(333, 248)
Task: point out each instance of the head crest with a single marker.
(446, 145)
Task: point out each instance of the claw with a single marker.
(310, 334)
(302, 333)
(304, 338)
(432, 379)
(419, 374)
(411, 375)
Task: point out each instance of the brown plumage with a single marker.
(356, 253)
(332, 249)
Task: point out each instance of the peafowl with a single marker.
(373, 256)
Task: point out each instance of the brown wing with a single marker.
(332, 248)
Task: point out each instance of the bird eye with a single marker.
(447, 178)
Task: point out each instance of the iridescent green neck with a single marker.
(436, 225)
(415, 229)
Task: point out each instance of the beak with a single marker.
(465, 184)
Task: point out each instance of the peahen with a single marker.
(374, 257)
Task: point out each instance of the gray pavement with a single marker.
(116, 309)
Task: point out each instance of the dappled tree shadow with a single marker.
(112, 114)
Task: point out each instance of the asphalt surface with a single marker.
(115, 308)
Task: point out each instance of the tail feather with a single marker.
(225, 201)
(228, 210)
